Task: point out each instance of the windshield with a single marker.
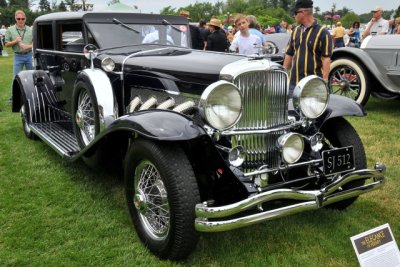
(117, 34)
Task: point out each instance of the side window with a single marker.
(71, 37)
(45, 37)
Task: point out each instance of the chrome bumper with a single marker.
(310, 200)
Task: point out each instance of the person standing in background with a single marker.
(217, 40)
(338, 34)
(354, 34)
(19, 37)
(245, 43)
(377, 24)
(197, 41)
(310, 46)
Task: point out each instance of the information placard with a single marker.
(377, 247)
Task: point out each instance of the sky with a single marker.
(154, 6)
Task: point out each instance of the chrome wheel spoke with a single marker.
(155, 216)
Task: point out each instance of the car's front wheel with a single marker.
(85, 114)
(161, 193)
(339, 133)
(350, 79)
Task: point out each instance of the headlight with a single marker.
(221, 105)
(291, 146)
(311, 96)
(108, 64)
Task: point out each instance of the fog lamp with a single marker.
(291, 146)
(236, 156)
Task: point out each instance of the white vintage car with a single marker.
(374, 68)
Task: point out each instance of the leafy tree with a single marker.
(21, 4)
(3, 3)
(62, 6)
(169, 10)
(44, 6)
(348, 19)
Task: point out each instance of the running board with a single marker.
(56, 136)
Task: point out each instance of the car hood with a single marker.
(183, 65)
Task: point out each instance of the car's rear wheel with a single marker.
(350, 79)
(338, 133)
(24, 111)
(85, 114)
(161, 193)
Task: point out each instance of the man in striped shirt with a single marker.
(310, 46)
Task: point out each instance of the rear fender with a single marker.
(37, 89)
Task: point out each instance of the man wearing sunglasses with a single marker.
(310, 46)
(377, 24)
(19, 37)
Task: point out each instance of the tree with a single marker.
(168, 11)
(21, 4)
(62, 6)
(348, 19)
(44, 6)
(3, 3)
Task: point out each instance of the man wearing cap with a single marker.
(217, 40)
(197, 40)
(310, 46)
(377, 24)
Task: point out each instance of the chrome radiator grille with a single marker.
(264, 107)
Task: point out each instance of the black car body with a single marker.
(208, 141)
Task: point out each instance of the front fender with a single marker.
(107, 105)
(340, 106)
(159, 125)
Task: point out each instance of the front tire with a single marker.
(85, 114)
(348, 78)
(161, 193)
(339, 133)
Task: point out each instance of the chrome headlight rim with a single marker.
(107, 64)
(209, 103)
(287, 144)
(311, 97)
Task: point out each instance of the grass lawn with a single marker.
(55, 213)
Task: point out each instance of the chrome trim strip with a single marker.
(313, 199)
(262, 131)
(44, 51)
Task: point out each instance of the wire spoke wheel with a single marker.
(161, 193)
(151, 200)
(85, 117)
(348, 78)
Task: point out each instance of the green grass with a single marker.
(55, 213)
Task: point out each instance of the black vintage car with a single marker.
(208, 141)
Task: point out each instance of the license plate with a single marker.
(338, 160)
